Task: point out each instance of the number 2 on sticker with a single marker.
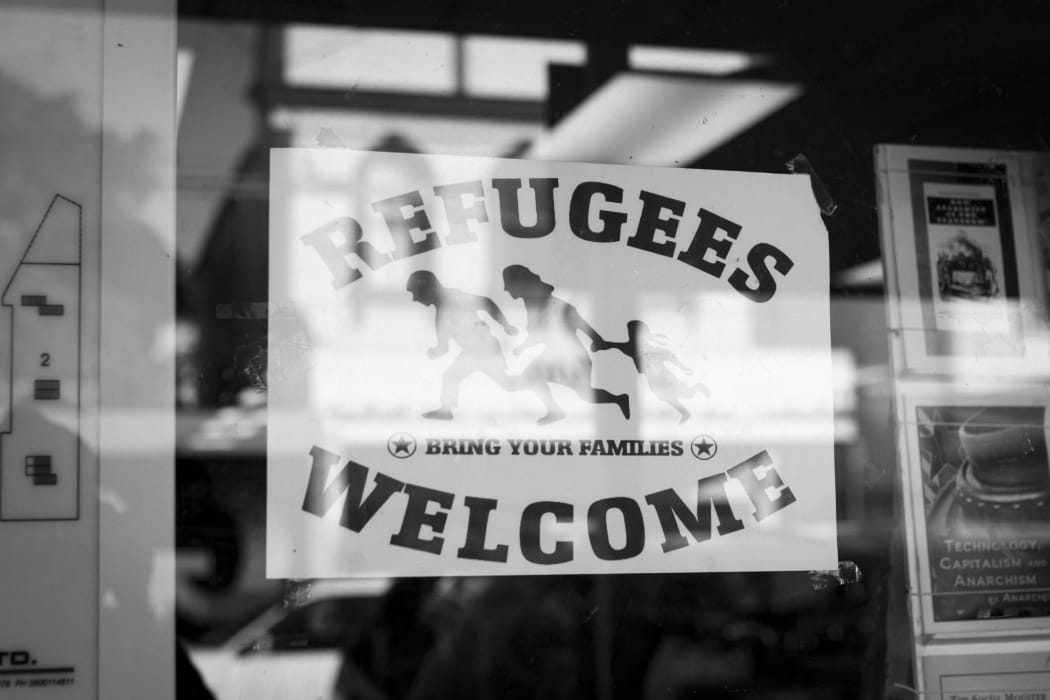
(45, 359)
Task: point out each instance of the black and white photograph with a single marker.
(549, 350)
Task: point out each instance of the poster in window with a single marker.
(966, 255)
(979, 484)
(492, 366)
(985, 670)
(961, 251)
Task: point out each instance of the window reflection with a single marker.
(370, 375)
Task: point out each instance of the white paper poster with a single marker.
(50, 69)
(488, 366)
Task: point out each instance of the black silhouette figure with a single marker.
(654, 360)
(554, 324)
(460, 317)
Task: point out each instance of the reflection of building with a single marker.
(229, 277)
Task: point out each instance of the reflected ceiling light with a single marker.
(370, 59)
(867, 275)
(505, 67)
(363, 130)
(183, 70)
(652, 119)
(679, 60)
(426, 63)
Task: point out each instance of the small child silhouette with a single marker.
(654, 360)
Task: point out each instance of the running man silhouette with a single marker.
(564, 360)
(654, 360)
(459, 317)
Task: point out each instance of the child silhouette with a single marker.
(654, 360)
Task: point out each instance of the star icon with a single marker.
(401, 445)
(703, 447)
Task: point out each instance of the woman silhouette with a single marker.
(554, 323)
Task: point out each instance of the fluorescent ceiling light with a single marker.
(647, 119)
(704, 61)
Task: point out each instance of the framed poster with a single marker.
(977, 480)
(961, 252)
(998, 670)
(493, 366)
